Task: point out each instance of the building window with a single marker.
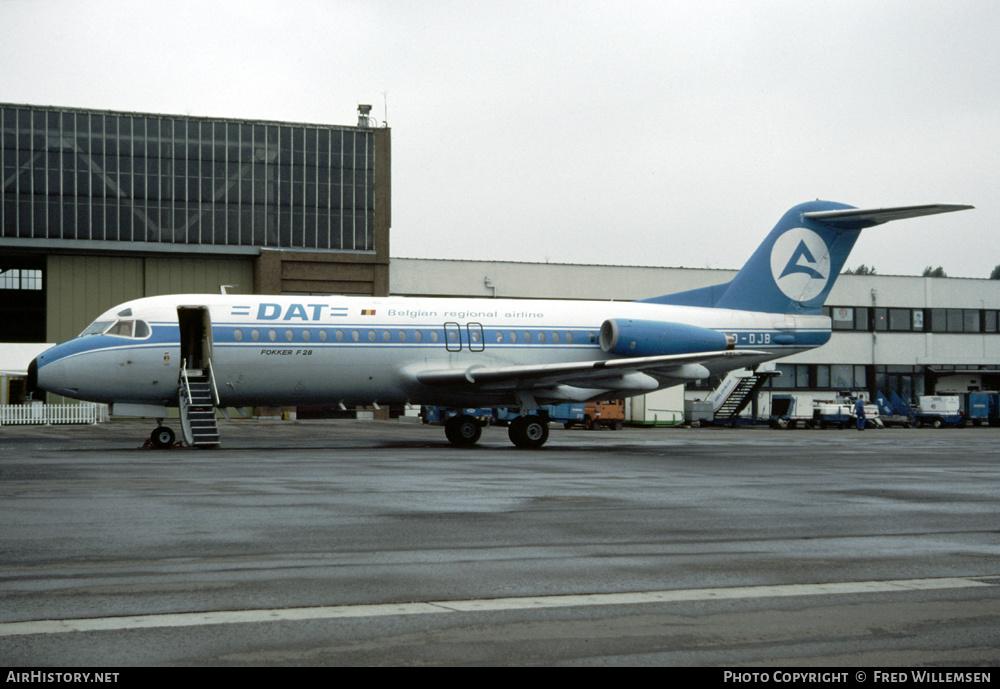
(16, 278)
(989, 321)
(899, 319)
(147, 178)
(842, 318)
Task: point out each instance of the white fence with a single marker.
(16, 414)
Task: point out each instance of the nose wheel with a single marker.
(162, 437)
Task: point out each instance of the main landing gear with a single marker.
(529, 432)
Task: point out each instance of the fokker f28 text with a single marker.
(202, 352)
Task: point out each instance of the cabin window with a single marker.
(238, 335)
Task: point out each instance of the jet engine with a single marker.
(628, 337)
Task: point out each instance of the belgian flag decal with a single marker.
(367, 312)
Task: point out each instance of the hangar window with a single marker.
(17, 278)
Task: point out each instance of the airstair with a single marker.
(198, 400)
(736, 391)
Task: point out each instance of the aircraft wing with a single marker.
(594, 374)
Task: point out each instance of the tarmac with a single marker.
(377, 543)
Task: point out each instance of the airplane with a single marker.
(202, 352)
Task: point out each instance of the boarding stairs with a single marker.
(736, 391)
(198, 400)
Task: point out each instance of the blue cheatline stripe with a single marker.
(218, 617)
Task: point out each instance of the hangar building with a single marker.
(101, 207)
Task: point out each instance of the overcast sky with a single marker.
(619, 132)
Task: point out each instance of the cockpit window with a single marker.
(97, 328)
(120, 328)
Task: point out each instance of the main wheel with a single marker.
(162, 437)
(463, 430)
(529, 432)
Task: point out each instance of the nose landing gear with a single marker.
(162, 437)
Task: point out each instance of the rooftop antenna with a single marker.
(385, 102)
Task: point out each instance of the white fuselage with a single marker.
(303, 350)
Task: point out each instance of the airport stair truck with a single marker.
(737, 390)
(895, 411)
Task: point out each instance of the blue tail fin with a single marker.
(795, 267)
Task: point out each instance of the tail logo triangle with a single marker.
(800, 264)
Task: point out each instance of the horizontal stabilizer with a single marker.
(859, 218)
